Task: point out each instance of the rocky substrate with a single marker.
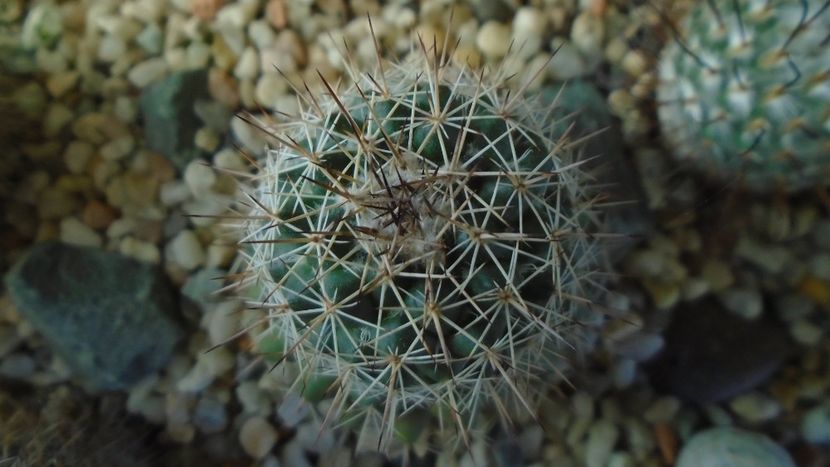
(121, 154)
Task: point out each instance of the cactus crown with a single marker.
(745, 91)
(421, 242)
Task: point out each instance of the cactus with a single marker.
(744, 92)
(423, 246)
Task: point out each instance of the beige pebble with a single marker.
(59, 84)
(223, 88)
(529, 26)
(493, 39)
(634, 63)
(77, 155)
(186, 250)
(206, 138)
(587, 33)
(199, 177)
(257, 437)
(248, 65)
(275, 13)
(140, 250)
(75, 232)
(269, 88)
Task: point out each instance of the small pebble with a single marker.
(75, 232)
(493, 39)
(210, 415)
(806, 333)
(199, 178)
(186, 250)
(257, 437)
(744, 302)
(601, 439)
(77, 156)
(248, 65)
(147, 72)
(98, 215)
(815, 426)
(755, 407)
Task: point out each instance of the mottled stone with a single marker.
(109, 317)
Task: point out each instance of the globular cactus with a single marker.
(423, 246)
(744, 92)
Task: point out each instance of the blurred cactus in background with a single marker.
(744, 92)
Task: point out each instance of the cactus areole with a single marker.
(745, 92)
(421, 242)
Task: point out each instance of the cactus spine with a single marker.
(422, 244)
(745, 92)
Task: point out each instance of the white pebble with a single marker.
(493, 39)
(219, 255)
(251, 138)
(269, 88)
(229, 159)
(261, 34)
(601, 439)
(248, 65)
(528, 31)
(197, 55)
(587, 33)
(186, 250)
(257, 437)
(137, 249)
(755, 407)
(567, 63)
(111, 48)
(209, 365)
(75, 232)
(206, 138)
(806, 333)
(222, 322)
(118, 148)
(253, 399)
(174, 192)
(744, 302)
(199, 177)
(147, 72)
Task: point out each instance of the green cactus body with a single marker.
(744, 92)
(422, 243)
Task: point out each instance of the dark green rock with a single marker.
(109, 317)
(170, 121)
(582, 105)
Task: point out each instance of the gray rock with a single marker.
(712, 354)
(580, 103)
(731, 447)
(109, 317)
(170, 121)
